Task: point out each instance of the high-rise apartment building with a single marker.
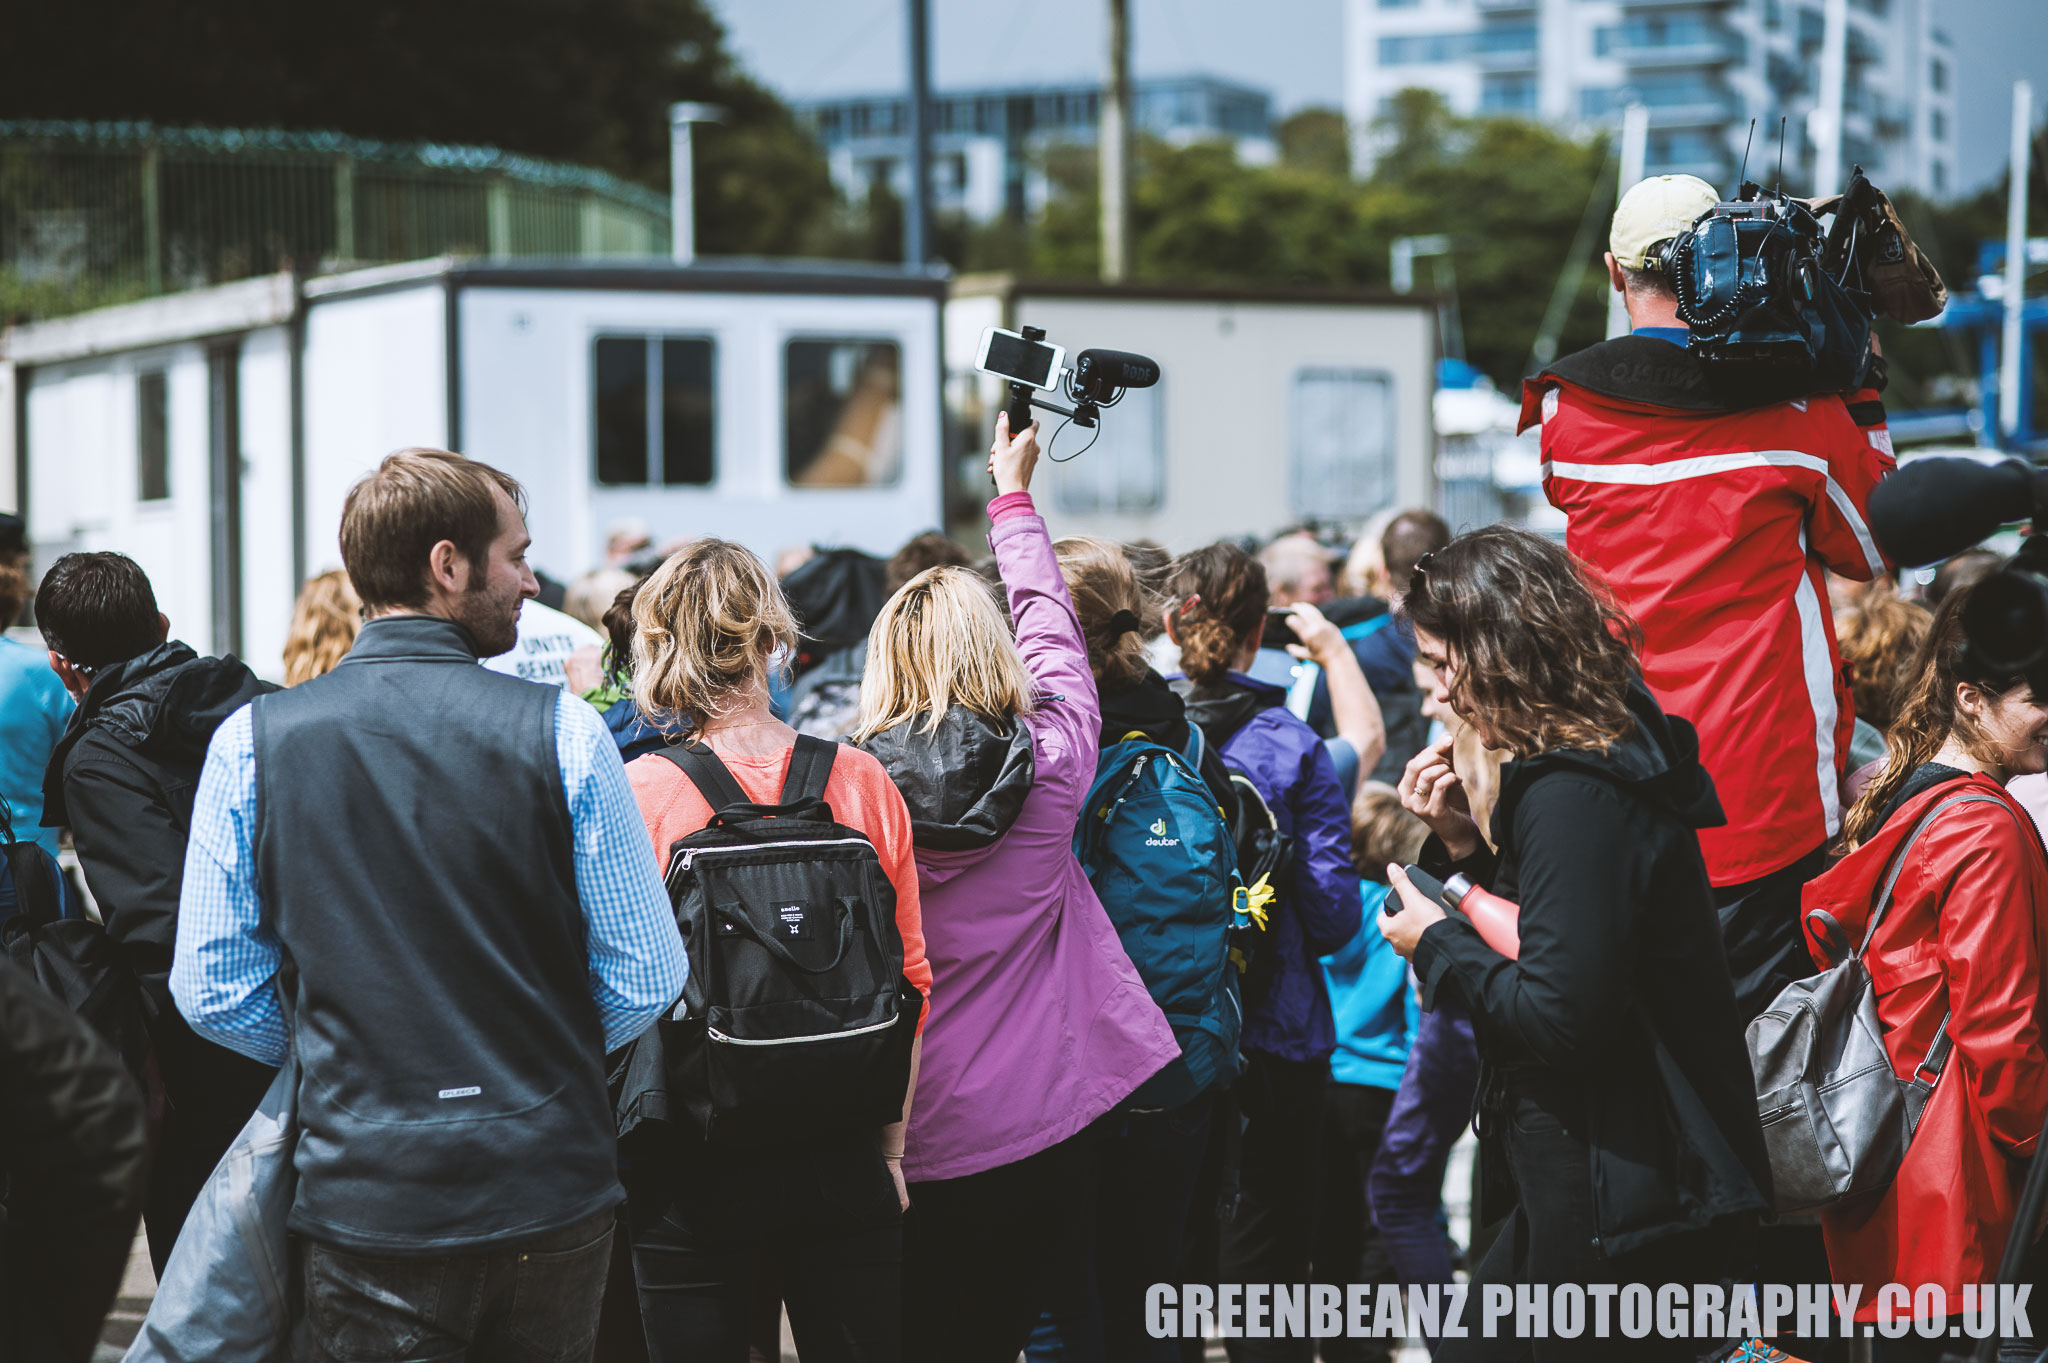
(988, 145)
(1702, 68)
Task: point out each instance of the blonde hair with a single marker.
(592, 594)
(1383, 831)
(1880, 639)
(324, 625)
(707, 621)
(940, 641)
(1100, 579)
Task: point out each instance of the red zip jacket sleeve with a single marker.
(1859, 456)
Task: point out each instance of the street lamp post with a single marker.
(681, 191)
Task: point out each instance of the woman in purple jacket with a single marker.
(1216, 614)
(1039, 1024)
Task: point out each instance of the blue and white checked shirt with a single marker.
(227, 956)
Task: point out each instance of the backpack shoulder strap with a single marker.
(709, 775)
(810, 768)
(1931, 1065)
(1898, 864)
(1195, 749)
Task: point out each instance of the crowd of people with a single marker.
(946, 958)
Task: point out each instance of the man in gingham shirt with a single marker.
(429, 883)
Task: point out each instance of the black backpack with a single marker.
(836, 596)
(73, 958)
(797, 1022)
(1264, 855)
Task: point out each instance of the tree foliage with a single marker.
(1509, 193)
(582, 82)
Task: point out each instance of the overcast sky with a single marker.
(813, 48)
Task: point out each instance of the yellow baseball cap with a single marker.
(1654, 212)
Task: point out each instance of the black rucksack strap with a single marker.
(709, 775)
(810, 768)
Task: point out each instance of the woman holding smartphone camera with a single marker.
(1613, 1074)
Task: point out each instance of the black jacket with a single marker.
(72, 1158)
(1619, 1016)
(964, 783)
(1156, 710)
(123, 778)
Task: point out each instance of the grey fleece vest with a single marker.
(415, 858)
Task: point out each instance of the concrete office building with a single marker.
(1702, 68)
(986, 144)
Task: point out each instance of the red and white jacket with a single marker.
(1713, 526)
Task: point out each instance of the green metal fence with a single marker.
(92, 213)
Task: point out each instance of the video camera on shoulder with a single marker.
(1777, 307)
(1098, 379)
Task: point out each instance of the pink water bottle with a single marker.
(1498, 920)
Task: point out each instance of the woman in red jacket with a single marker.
(1965, 938)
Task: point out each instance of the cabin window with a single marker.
(652, 401)
(152, 436)
(1343, 442)
(842, 409)
(1125, 469)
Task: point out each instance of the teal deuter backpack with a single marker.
(1159, 852)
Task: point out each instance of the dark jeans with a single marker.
(1760, 932)
(1123, 1234)
(1549, 1240)
(1348, 1248)
(1270, 1238)
(531, 1302)
(1431, 1110)
(209, 1093)
(825, 1223)
(978, 1253)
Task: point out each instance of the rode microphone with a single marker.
(1099, 373)
(1497, 920)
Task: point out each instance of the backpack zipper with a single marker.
(689, 855)
(717, 1035)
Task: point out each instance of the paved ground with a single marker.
(137, 1287)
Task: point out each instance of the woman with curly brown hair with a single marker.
(1613, 1075)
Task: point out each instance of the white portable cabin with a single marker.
(1274, 406)
(213, 435)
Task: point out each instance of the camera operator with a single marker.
(1613, 1073)
(1713, 521)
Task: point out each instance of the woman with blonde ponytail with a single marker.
(1960, 951)
(826, 1221)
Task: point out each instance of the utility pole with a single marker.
(2012, 371)
(1635, 152)
(1825, 121)
(682, 197)
(1114, 146)
(917, 208)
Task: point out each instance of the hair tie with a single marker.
(1122, 623)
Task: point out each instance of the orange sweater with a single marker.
(861, 795)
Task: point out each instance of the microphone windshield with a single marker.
(1935, 508)
(1115, 369)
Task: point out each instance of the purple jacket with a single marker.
(1039, 1023)
(1319, 908)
